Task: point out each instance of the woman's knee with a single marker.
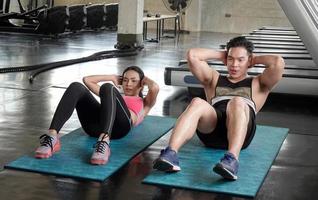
(106, 88)
(77, 87)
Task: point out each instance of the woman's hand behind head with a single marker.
(118, 81)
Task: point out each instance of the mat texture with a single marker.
(77, 147)
(197, 161)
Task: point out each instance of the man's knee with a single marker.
(237, 110)
(203, 110)
(191, 54)
(237, 104)
(196, 103)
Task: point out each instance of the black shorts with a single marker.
(218, 138)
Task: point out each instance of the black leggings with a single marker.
(110, 116)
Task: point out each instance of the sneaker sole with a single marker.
(56, 148)
(166, 166)
(98, 162)
(224, 172)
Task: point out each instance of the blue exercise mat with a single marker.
(77, 148)
(197, 161)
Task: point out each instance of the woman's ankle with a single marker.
(53, 132)
(104, 137)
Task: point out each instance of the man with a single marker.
(227, 118)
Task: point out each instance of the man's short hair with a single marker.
(240, 41)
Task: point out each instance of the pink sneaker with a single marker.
(101, 153)
(48, 146)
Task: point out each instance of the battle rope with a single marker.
(47, 66)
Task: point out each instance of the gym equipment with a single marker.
(181, 76)
(269, 38)
(73, 159)
(269, 42)
(307, 65)
(41, 20)
(265, 32)
(196, 161)
(277, 28)
(274, 36)
(1, 6)
(299, 63)
(77, 19)
(111, 16)
(274, 46)
(102, 16)
(306, 22)
(278, 47)
(53, 20)
(33, 4)
(285, 52)
(96, 16)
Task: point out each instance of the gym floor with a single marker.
(26, 110)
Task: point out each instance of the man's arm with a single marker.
(273, 72)
(197, 58)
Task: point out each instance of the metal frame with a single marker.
(305, 22)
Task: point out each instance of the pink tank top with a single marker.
(135, 104)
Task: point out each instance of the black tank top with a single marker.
(226, 90)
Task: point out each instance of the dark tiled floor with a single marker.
(26, 110)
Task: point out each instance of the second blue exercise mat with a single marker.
(196, 162)
(77, 148)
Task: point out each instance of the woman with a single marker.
(112, 118)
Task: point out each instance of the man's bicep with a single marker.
(269, 78)
(204, 74)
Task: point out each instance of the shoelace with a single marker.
(162, 151)
(227, 158)
(101, 146)
(46, 140)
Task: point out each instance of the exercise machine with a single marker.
(301, 67)
(41, 20)
(78, 19)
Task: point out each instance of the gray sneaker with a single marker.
(168, 161)
(101, 153)
(227, 167)
(48, 146)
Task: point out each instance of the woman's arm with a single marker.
(92, 81)
(150, 99)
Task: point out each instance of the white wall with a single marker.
(227, 16)
(240, 16)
